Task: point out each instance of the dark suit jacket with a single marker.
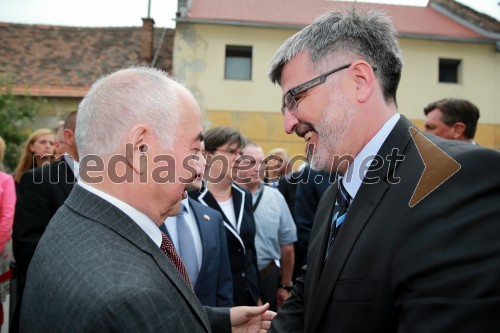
(308, 192)
(39, 195)
(287, 187)
(214, 286)
(393, 268)
(241, 246)
(95, 270)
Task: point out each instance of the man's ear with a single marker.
(458, 129)
(69, 136)
(136, 147)
(364, 80)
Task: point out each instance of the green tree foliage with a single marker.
(16, 112)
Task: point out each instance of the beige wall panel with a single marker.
(479, 77)
(199, 59)
(262, 127)
(253, 106)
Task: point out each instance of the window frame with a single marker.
(238, 51)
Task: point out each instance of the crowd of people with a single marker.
(139, 220)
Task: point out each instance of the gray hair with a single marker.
(369, 35)
(118, 101)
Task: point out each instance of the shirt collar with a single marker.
(356, 172)
(185, 206)
(73, 165)
(256, 193)
(142, 220)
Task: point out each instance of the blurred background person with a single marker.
(59, 139)
(38, 149)
(59, 125)
(452, 118)
(275, 228)
(279, 174)
(198, 235)
(223, 148)
(7, 206)
(41, 191)
(278, 167)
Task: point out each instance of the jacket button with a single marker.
(239, 250)
(243, 274)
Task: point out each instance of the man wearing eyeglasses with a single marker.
(406, 239)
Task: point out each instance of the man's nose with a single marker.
(289, 122)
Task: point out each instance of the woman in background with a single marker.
(38, 149)
(7, 205)
(222, 149)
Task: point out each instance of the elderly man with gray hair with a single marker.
(103, 265)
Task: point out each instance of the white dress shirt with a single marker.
(188, 215)
(356, 172)
(143, 221)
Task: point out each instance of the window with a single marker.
(238, 63)
(449, 70)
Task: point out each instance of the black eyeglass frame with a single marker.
(306, 86)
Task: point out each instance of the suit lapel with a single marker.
(238, 203)
(366, 201)
(101, 211)
(316, 251)
(207, 199)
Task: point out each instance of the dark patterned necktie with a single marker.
(168, 248)
(339, 214)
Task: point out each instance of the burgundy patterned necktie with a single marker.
(168, 248)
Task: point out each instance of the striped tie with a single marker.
(339, 214)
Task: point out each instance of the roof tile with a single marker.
(62, 57)
(407, 19)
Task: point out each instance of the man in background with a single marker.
(275, 229)
(452, 118)
(40, 194)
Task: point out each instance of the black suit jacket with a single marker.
(308, 192)
(39, 195)
(241, 245)
(96, 270)
(433, 267)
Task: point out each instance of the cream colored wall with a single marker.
(480, 77)
(199, 56)
(253, 106)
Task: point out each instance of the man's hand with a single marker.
(251, 319)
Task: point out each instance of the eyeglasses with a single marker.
(291, 103)
(236, 151)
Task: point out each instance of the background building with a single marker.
(222, 50)
(59, 63)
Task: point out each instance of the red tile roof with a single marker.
(64, 61)
(410, 20)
